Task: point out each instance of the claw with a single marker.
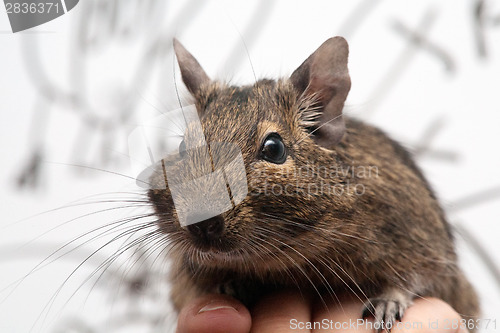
(368, 310)
(386, 310)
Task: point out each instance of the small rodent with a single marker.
(387, 245)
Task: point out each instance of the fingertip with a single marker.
(430, 315)
(214, 313)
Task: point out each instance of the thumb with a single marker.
(214, 313)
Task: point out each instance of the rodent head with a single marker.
(284, 129)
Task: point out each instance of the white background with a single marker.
(400, 87)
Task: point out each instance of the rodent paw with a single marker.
(386, 310)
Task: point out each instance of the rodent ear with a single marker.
(324, 77)
(193, 75)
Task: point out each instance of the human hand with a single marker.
(286, 312)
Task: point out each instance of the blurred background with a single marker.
(71, 90)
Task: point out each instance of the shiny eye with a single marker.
(273, 149)
(182, 149)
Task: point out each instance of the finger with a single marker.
(424, 316)
(429, 315)
(214, 314)
(281, 312)
(340, 316)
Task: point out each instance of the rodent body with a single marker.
(351, 212)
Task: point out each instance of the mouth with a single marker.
(211, 246)
(213, 256)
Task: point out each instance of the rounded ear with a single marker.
(193, 75)
(324, 77)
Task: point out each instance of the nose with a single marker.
(208, 230)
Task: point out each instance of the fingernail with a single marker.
(216, 305)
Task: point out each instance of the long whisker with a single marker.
(107, 228)
(301, 270)
(101, 170)
(50, 303)
(321, 259)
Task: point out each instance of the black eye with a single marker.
(182, 148)
(273, 149)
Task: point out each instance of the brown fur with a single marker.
(393, 236)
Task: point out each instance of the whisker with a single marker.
(295, 264)
(47, 308)
(323, 235)
(45, 262)
(99, 169)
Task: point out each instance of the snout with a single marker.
(207, 233)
